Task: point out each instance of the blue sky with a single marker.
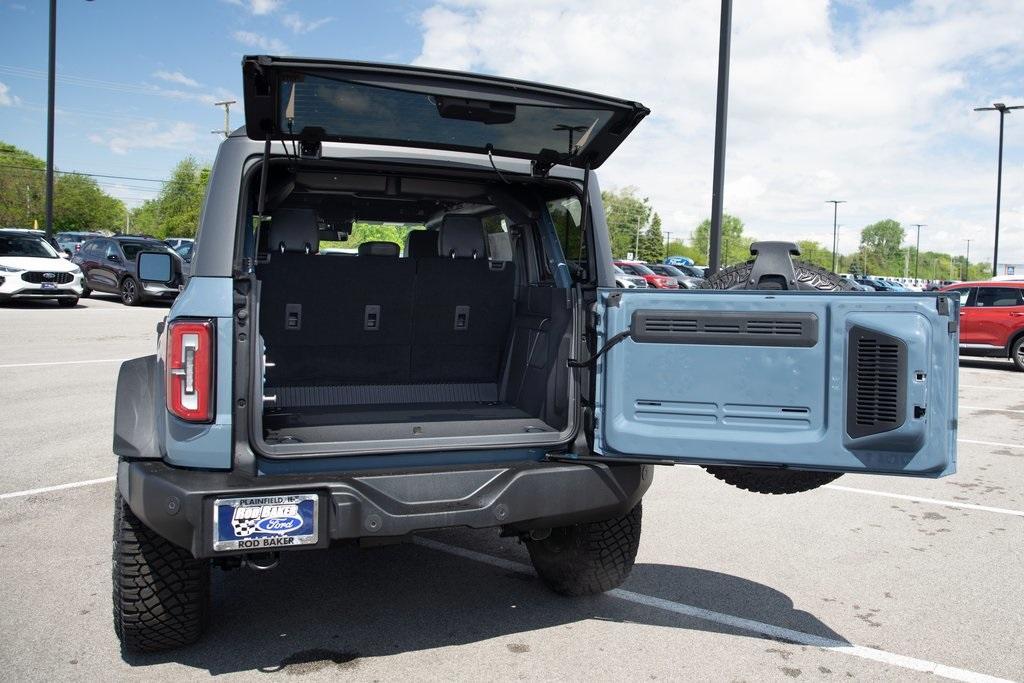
(870, 102)
(134, 74)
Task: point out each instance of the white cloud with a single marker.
(299, 25)
(251, 39)
(151, 135)
(258, 7)
(877, 112)
(6, 98)
(176, 77)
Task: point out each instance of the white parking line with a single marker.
(1001, 410)
(918, 499)
(998, 444)
(741, 623)
(62, 362)
(1019, 390)
(58, 487)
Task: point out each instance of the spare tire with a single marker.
(769, 480)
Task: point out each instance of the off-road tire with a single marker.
(67, 303)
(1017, 353)
(161, 593)
(587, 559)
(763, 480)
(130, 291)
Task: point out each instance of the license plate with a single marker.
(49, 285)
(265, 523)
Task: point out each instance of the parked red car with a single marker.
(653, 279)
(991, 319)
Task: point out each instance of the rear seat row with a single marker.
(379, 319)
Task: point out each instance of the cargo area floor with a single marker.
(331, 424)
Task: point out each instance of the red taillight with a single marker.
(190, 363)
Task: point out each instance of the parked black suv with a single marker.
(108, 265)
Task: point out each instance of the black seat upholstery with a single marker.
(421, 244)
(333, 320)
(463, 307)
(377, 319)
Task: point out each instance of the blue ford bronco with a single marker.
(469, 361)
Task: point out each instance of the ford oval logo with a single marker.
(49, 276)
(279, 525)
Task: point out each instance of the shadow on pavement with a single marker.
(326, 611)
(987, 363)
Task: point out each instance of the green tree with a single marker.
(881, 247)
(814, 252)
(735, 244)
(21, 187)
(652, 242)
(80, 204)
(628, 216)
(175, 211)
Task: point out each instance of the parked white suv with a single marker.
(32, 269)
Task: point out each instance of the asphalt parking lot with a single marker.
(868, 578)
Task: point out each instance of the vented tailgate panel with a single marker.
(837, 381)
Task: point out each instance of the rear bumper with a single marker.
(178, 503)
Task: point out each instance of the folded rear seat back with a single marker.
(463, 307)
(330, 321)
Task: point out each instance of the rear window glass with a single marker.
(132, 249)
(360, 112)
(998, 296)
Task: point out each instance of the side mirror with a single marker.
(155, 267)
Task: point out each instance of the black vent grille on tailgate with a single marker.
(876, 391)
(732, 328)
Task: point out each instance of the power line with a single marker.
(93, 175)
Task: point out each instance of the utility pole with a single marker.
(835, 227)
(227, 117)
(967, 261)
(721, 116)
(1003, 111)
(51, 88)
(636, 249)
(917, 252)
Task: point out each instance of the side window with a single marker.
(566, 214)
(499, 245)
(965, 295)
(997, 296)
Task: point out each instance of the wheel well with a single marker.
(1013, 340)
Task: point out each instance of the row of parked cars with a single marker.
(638, 274)
(71, 265)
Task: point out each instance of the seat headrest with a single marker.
(421, 243)
(294, 230)
(461, 236)
(379, 249)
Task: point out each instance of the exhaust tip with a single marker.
(263, 561)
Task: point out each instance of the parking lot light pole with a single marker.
(1003, 111)
(50, 90)
(967, 260)
(835, 227)
(721, 116)
(917, 250)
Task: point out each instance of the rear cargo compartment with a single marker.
(450, 335)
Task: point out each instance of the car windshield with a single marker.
(25, 245)
(132, 249)
(618, 271)
(673, 271)
(641, 269)
(361, 112)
